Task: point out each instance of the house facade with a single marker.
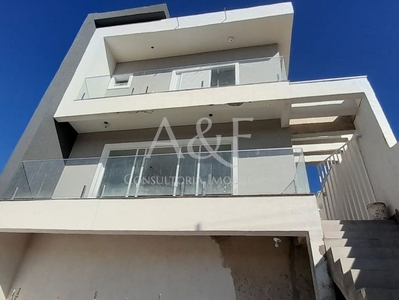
(167, 160)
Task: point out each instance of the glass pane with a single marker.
(188, 173)
(117, 173)
(223, 76)
(158, 173)
(195, 79)
(43, 176)
(134, 178)
(19, 187)
(216, 172)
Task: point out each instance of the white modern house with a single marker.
(167, 160)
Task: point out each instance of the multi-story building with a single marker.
(167, 160)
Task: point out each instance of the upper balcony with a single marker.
(128, 69)
(228, 73)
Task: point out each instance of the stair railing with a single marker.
(345, 185)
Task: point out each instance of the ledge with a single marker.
(204, 216)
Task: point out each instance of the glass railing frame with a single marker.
(295, 185)
(179, 69)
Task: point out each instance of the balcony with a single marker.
(193, 172)
(251, 71)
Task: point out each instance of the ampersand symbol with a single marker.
(204, 142)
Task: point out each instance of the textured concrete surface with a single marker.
(178, 267)
(262, 271)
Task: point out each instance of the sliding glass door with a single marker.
(133, 172)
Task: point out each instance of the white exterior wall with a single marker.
(379, 150)
(184, 39)
(195, 215)
(173, 103)
(119, 267)
(12, 250)
(178, 267)
(256, 216)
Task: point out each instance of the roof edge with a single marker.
(131, 16)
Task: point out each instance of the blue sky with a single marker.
(330, 39)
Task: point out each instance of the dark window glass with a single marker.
(223, 76)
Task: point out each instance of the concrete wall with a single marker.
(178, 267)
(12, 250)
(264, 134)
(249, 216)
(119, 267)
(261, 271)
(197, 59)
(210, 214)
(379, 150)
(173, 103)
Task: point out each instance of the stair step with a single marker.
(366, 234)
(378, 222)
(363, 257)
(353, 242)
(369, 264)
(373, 279)
(378, 294)
(359, 252)
(336, 225)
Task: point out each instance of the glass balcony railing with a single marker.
(197, 173)
(251, 71)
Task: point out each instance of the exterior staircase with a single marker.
(363, 258)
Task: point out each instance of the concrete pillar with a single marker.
(322, 282)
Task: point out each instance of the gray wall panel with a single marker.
(43, 138)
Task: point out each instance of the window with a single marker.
(223, 76)
(120, 82)
(205, 77)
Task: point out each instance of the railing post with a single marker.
(13, 294)
(203, 188)
(102, 191)
(15, 193)
(82, 194)
(182, 187)
(16, 295)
